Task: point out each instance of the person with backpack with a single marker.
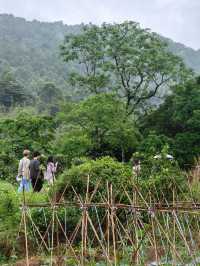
(51, 170)
(24, 172)
(36, 174)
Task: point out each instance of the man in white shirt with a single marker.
(24, 172)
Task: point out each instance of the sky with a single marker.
(176, 19)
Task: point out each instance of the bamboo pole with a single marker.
(103, 249)
(108, 221)
(135, 222)
(121, 229)
(174, 230)
(85, 224)
(113, 225)
(152, 216)
(68, 241)
(52, 236)
(42, 238)
(25, 227)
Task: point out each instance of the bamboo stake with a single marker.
(42, 239)
(113, 225)
(84, 225)
(52, 236)
(103, 249)
(152, 216)
(68, 241)
(135, 222)
(25, 228)
(174, 231)
(108, 222)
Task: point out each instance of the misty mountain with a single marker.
(31, 51)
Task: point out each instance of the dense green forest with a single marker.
(98, 99)
(31, 51)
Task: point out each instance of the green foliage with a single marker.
(160, 176)
(87, 49)
(23, 132)
(120, 68)
(124, 58)
(102, 170)
(48, 98)
(49, 93)
(11, 92)
(190, 56)
(31, 50)
(8, 166)
(72, 144)
(153, 143)
(98, 126)
(178, 119)
(9, 208)
(9, 219)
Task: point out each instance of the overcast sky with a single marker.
(177, 19)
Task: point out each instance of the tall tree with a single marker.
(101, 119)
(11, 92)
(87, 50)
(125, 58)
(48, 93)
(140, 63)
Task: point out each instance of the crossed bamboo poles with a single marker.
(113, 227)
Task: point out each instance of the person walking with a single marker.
(24, 172)
(51, 170)
(136, 169)
(36, 172)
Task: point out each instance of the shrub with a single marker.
(9, 218)
(9, 207)
(102, 170)
(161, 176)
(8, 167)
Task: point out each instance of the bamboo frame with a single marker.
(112, 234)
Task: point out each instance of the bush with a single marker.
(161, 176)
(9, 218)
(8, 167)
(104, 170)
(9, 207)
(12, 243)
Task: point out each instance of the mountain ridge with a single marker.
(30, 49)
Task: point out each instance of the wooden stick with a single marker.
(52, 236)
(25, 228)
(113, 225)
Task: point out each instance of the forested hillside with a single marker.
(113, 144)
(31, 51)
(189, 55)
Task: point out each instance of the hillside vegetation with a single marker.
(112, 132)
(31, 51)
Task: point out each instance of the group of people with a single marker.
(32, 174)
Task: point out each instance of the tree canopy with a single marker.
(125, 59)
(11, 92)
(178, 119)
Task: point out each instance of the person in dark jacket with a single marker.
(35, 172)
